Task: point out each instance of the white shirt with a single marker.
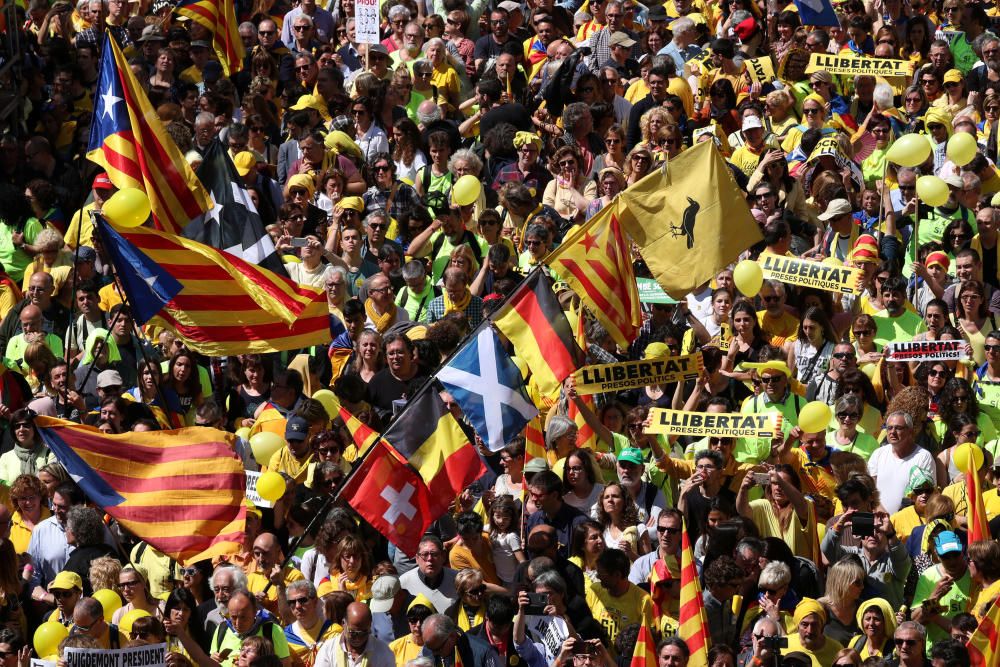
(334, 654)
(892, 473)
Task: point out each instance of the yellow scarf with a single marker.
(381, 322)
(456, 306)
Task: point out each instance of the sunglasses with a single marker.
(863, 332)
(772, 379)
(810, 111)
(668, 530)
(848, 415)
(904, 642)
(842, 355)
(936, 374)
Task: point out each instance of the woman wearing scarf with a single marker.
(877, 621)
(29, 453)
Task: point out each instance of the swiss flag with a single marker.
(391, 496)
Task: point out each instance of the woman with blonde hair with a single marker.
(369, 355)
(104, 573)
(780, 112)
(650, 125)
(638, 163)
(470, 608)
(134, 588)
(28, 497)
(463, 257)
(845, 580)
(350, 570)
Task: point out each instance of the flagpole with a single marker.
(72, 304)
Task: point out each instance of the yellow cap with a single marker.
(421, 601)
(772, 365)
(66, 581)
(245, 162)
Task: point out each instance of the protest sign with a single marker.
(153, 655)
(634, 374)
(549, 632)
(854, 65)
(760, 70)
(926, 350)
(810, 273)
(726, 425)
(651, 292)
(252, 494)
(366, 21)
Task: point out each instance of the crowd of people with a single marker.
(842, 547)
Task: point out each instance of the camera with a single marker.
(863, 524)
(536, 604)
(774, 643)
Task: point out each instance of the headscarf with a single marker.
(112, 346)
(888, 615)
(806, 607)
(938, 115)
(522, 138)
(302, 181)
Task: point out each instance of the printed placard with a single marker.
(634, 374)
(854, 65)
(154, 655)
(926, 350)
(810, 273)
(721, 424)
(366, 21)
(651, 292)
(251, 492)
(760, 70)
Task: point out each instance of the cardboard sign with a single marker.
(251, 492)
(926, 350)
(549, 632)
(634, 374)
(366, 21)
(651, 292)
(854, 65)
(154, 655)
(809, 273)
(760, 70)
(721, 424)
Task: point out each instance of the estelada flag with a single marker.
(217, 303)
(692, 619)
(689, 218)
(219, 16)
(541, 335)
(129, 141)
(595, 261)
(984, 644)
(181, 491)
(391, 496)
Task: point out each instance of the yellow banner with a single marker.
(721, 424)
(853, 65)
(634, 374)
(810, 273)
(760, 70)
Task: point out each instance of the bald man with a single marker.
(269, 558)
(55, 316)
(32, 331)
(356, 644)
(443, 642)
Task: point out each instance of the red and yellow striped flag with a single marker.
(595, 261)
(644, 653)
(979, 528)
(692, 618)
(364, 436)
(127, 138)
(219, 16)
(984, 644)
(534, 440)
(181, 491)
(585, 435)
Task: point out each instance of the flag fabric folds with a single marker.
(224, 306)
(692, 619)
(817, 12)
(595, 261)
(689, 218)
(535, 324)
(484, 381)
(219, 16)
(976, 513)
(128, 140)
(361, 433)
(391, 496)
(181, 491)
(644, 653)
(233, 224)
(586, 437)
(984, 644)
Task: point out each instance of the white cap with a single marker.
(752, 123)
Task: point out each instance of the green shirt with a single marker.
(440, 259)
(955, 601)
(863, 444)
(415, 303)
(902, 328)
(755, 450)
(15, 260)
(230, 640)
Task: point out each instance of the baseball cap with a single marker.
(66, 581)
(245, 162)
(102, 182)
(631, 455)
(954, 180)
(953, 76)
(836, 209)
(752, 123)
(314, 102)
(619, 38)
(919, 479)
(152, 33)
(947, 542)
(746, 28)
(200, 44)
(109, 379)
(536, 465)
(384, 591)
(510, 6)
(86, 254)
(657, 13)
(296, 428)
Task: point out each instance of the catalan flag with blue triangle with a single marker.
(129, 141)
(180, 491)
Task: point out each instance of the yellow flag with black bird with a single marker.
(689, 219)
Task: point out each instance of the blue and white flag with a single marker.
(487, 385)
(817, 12)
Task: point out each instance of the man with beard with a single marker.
(225, 580)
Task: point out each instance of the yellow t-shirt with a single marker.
(256, 581)
(821, 658)
(905, 521)
(20, 534)
(796, 535)
(405, 649)
(615, 613)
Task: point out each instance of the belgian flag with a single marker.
(541, 335)
(429, 437)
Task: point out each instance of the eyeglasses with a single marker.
(294, 602)
(668, 530)
(898, 641)
(257, 128)
(634, 426)
(772, 379)
(358, 633)
(62, 595)
(863, 332)
(991, 348)
(381, 168)
(848, 415)
(810, 111)
(380, 290)
(303, 68)
(587, 89)
(934, 374)
(83, 628)
(843, 355)
(128, 584)
(934, 127)
(358, 112)
(567, 163)
(189, 571)
(266, 33)
(478, 590)
(960, 399)
(326, 451)
(532, 242)
(427, 555)
(300, 28)
(450, 21)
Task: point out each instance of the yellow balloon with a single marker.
(243, 432)
(329, 401)
(968, 457)
(110, 600)
(932, 190)
(126, 621)
(271, 486)
(815, 417)
(466, 190)
(264, 445)
(748, 277)
(127, 208)
(47, 637)
(962, 147)
(910, 150)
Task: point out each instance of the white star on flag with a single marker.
(110, 100)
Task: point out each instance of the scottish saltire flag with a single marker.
(484, 381)
(181, 491)
(817, 12)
